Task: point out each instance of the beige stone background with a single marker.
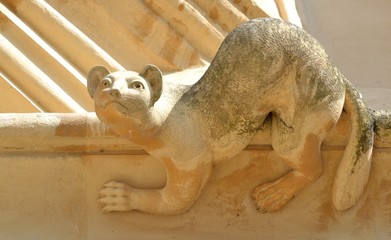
(53, 165)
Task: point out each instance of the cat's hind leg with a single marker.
(299, 147)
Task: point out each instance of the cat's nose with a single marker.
(115, 93)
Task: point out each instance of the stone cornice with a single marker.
(74, 133)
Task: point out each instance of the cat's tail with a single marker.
(353, 171)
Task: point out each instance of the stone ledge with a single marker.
(84, 133)
(68, 157)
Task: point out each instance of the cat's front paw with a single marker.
(115, 196)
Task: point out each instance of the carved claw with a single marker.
(115, 196)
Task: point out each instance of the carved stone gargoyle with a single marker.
(265, 66)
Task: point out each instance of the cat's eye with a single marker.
(136, 85)
(105, 82)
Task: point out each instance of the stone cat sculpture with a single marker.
(265, 66)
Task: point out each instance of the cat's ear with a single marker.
(94, 77)
(153, 76)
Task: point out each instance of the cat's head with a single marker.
(124, 93)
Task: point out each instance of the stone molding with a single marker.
(84, 134)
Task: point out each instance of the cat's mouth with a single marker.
(121, 108)
(120, 104)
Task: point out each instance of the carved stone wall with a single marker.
(53, 165)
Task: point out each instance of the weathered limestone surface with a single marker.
(264, 66)
(54, 165)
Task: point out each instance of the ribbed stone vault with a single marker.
(47, 47)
